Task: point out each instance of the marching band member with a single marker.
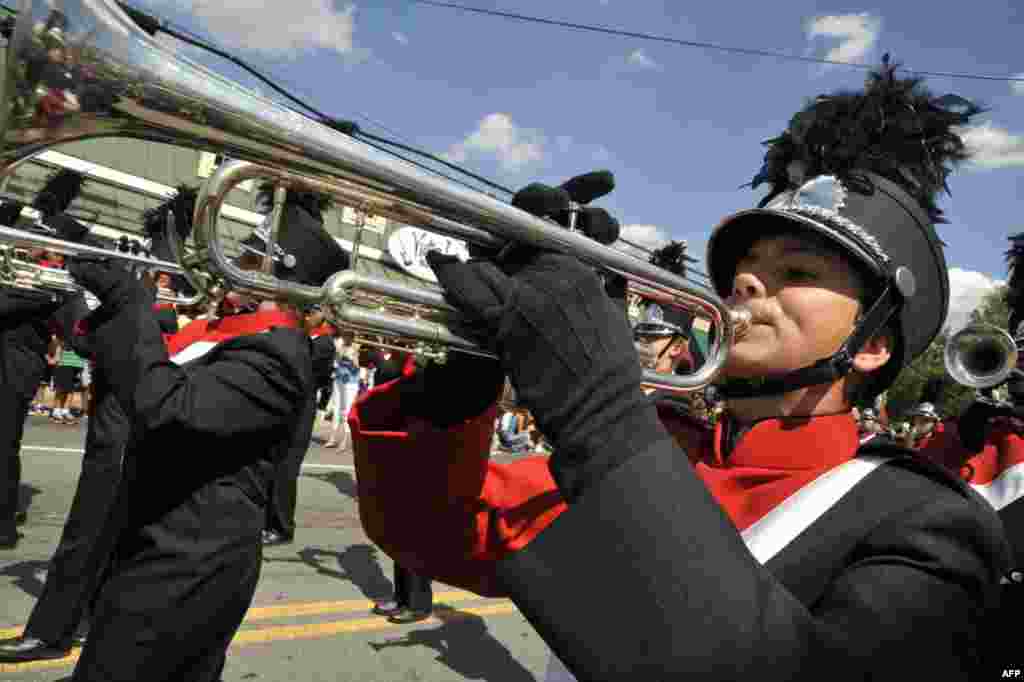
(213, 413)
(302, 214)
(87, 540)
(25, 332)
(925, 422)
(787, 552)
(985, 446)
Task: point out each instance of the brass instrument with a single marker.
(981, 356)
(142, 89)
(19, 274)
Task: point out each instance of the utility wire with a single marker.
(694, 43)
(152, 24)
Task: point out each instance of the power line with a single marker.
(695, 43)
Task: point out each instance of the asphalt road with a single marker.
(310, 620)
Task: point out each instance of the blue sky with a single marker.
(680, 127)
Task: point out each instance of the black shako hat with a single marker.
(665, 320)
(305, 252)
(181, 205)
(862, 169)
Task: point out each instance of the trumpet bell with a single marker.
(980, 356)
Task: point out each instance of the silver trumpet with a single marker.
(981, 356)
(20, 274)
(139, 88)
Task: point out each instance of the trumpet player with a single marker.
(213, 413)
(74, 573)
(25, 331)
(785, 552)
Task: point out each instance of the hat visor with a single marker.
(733, 237)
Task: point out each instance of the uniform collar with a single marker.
(224, 328)
(252, 323)
(794, 443)
(323, 330)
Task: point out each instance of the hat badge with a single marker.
(823, 193)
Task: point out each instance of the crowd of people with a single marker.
(758, 529)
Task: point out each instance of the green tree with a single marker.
(951, 398)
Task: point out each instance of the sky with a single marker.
(680, 127)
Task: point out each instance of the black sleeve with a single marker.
(253, 384)
(20, 307)
(700, 607)
(323, 361)
(67, 317)
(248, 385)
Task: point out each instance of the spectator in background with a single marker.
(66, 383)
(512, 434)
(346, 387)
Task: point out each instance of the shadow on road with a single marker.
(357, 563)
(28, 576)
(25, 494)
(344, 481)
(464, 644)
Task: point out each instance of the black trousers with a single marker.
(284, 487)
(412, 590)
(90, 533)
(14, 408)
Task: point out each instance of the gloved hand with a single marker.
(110, 282)
(974, 424)
(451, 393)
(568, 350)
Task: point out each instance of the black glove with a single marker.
(451, 393)
(110, 282)
(568, 350)
(974, 422)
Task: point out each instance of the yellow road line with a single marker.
(306, 609)
(292, 632)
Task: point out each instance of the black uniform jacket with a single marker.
(785, 557)
(209, 423)
(323, 359)
(24, 337)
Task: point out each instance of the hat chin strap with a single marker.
(827, 370)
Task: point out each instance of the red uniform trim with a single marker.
(224, 328)
(434, 501)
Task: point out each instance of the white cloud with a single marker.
(638, 59)
(967, 288)
(858, 33)
(648, 236)
(993, 147)
(499, 137)
(563, 143)
(400, 37)
(283, 29)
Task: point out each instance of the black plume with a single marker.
(671, 257)
(60, 190)
(182, 205)
(1015, 284)
(894, 127)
